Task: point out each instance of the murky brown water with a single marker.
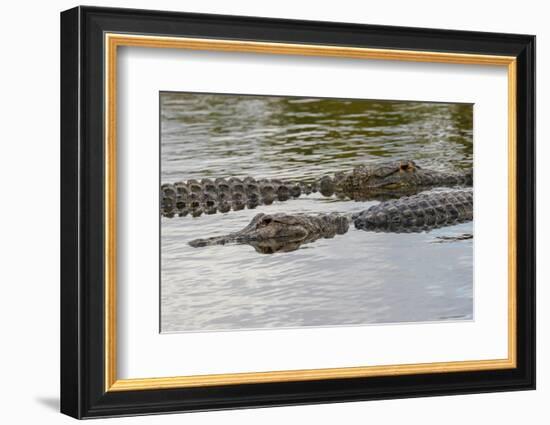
(356, 278)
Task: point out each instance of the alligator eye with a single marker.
(266, 221)
(406, 167)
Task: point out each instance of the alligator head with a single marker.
(387, 175)
(270, 233)
(392, 179)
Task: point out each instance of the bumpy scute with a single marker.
(418, 213)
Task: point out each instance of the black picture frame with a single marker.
(83, 392)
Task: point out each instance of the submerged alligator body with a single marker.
(418, 213)
(269, 233)
(378, 181)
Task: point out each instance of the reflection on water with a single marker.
(356, 278)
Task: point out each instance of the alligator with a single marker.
(380, 181)
(270, 233)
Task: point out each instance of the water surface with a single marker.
(352, 279)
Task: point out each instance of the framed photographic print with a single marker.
(261, 212)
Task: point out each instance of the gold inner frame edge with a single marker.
(113, 41)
